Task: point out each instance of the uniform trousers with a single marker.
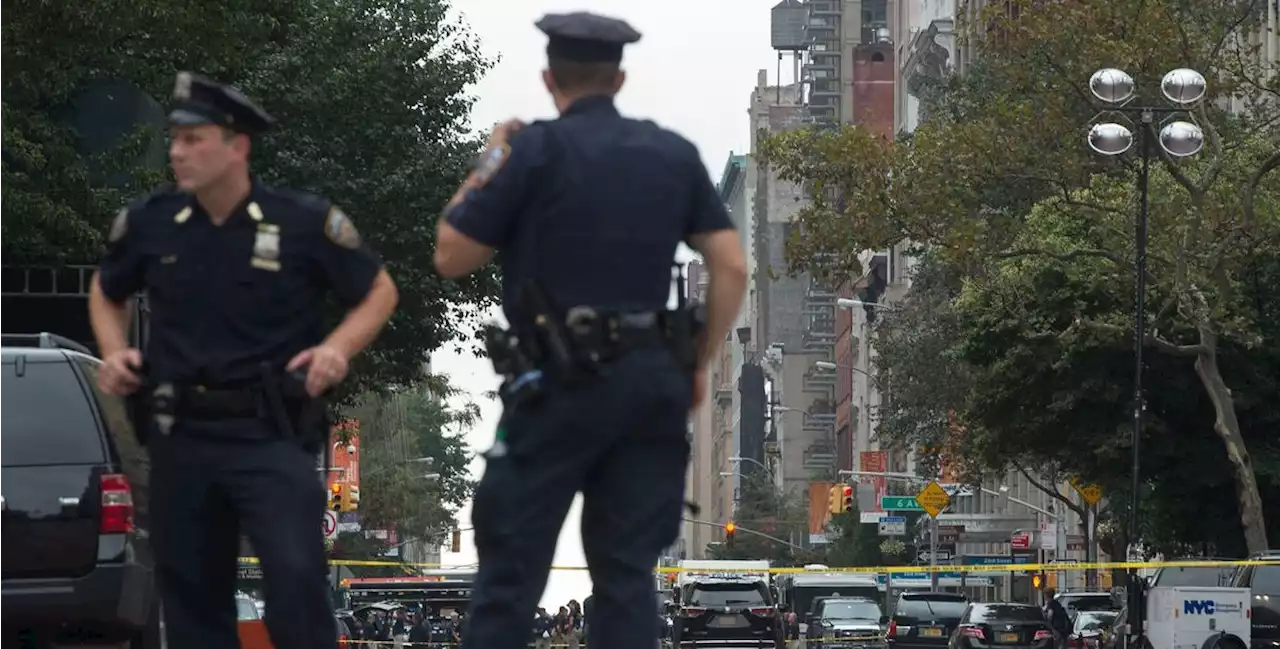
(206, 490)
(620, 438)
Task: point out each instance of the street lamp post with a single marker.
(1178, 138)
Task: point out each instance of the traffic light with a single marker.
(350, 498)
(729, 529)
(335, 497)
(1037, 581)
(846, 501)
(834, 500)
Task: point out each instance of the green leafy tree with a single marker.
(1010, 137)
(853, 543)
(763, 509)
(372, 95)
(398, 490)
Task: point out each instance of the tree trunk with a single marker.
(1227, 426)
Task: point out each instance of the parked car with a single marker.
(845, 621)
(73, 497)
(728, 611)
(924, 620)
(1089, 628)
(1264, 582)
(249, 624)
(1008, 625)
(1075, 602)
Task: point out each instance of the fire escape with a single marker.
(819, 344)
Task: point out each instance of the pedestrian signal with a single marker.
(729, 531)
(1037, 581)
(335, 497)
(350, 498)
(846, 500)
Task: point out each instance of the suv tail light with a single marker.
(1044, 634)
(762, 611)
(117, 504)
(692, 612)
(973, 632)
(893, 629)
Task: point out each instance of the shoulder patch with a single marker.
(340, 230)
(490, 162)
(119, 226)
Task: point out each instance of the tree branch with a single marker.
(1186, 351)
(1061, 256)
(1052, 492)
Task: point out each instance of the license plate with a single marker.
(1007, 638)
(722, 621)
(931, 632)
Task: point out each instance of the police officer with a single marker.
(590, 208)
(235, 274)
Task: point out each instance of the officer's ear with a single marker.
(549, 81)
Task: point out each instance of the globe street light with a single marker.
(1114, 89)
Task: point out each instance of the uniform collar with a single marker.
(247, 211)
(593, 104)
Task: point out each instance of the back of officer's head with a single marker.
(569, 79)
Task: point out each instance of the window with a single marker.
(1265, 580)
(850, 610)
(1005, 613)
(46, 416)
(712, 595)
(1095, 620)
(1199, 576)
(911, 609)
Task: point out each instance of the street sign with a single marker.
(899, 504)
(893, 525)
(870, 517)
(1091, 493)
(330, 524)
(933, 499)
(1076, 542)
(1020, 541)
(943, 555)
(949, 534)
(995, 559)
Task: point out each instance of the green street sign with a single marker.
(900, 504)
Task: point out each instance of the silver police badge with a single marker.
(266, 247)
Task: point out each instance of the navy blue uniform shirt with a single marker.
(223, 299)
(593, 205)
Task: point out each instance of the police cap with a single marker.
(200, 101)
(586, 37)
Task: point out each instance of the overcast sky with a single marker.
(692, 72)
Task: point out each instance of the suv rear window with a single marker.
(1005, 613)
(846, 609)
(714, 595)
(1265, 580)
(917, 608)
(46, 417)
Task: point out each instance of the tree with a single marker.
(398, 429)
(763, 509)
(1010, 137)
(371, 95)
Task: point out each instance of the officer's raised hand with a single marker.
(118, 375)
(326, 367)
(503, 132)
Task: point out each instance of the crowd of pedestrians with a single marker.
(406, 628)
(567, 629)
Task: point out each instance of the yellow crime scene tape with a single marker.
(1005, 567)
(451, 645)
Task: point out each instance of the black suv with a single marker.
(726, 612)
(925, 620)
(77, 566)
(1264, 583)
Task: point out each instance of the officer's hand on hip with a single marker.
(326, 367)
(119, 373)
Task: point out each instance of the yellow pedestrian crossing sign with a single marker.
(1091, 493)
(933, 499)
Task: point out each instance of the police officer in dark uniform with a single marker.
(235, 274)
(586, 212)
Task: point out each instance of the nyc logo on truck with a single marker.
(1209, 607)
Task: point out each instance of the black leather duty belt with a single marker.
(614, 334)
(205, 403)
